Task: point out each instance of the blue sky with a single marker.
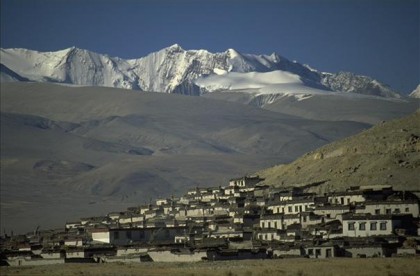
(378, 38)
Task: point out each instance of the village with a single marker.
(243, 220)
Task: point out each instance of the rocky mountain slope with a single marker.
(387, 154)
(175, 70)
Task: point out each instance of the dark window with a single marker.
(397, 210)
(377, 211)
(317, 252)
(407, 209)
(342, 201)
(269, 224)
(348, 200)
(373, 226)
(310, 252)
(383, 226)
(328, 253)
(116, 235)
(388, 211)
(362, 226)
(351, 225)
(290, 209)
(296, 208)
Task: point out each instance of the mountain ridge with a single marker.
(173, 70)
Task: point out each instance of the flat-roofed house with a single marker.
(347, 197)
(294, 206)
(322, 251)
(246, 181)
(389, 207)
(365, 225)
(331, 212)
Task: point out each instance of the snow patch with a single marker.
(415, 93)
(233, 53)
(236, 80)
(218, 71)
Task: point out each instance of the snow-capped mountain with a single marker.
(175, 70)
(72, 66)
(415, 93)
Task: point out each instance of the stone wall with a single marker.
(168, 256)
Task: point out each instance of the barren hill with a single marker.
(83, 151)
(387, 154)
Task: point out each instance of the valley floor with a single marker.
(338, 266)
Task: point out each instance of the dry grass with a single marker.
(292, 267)
(387, 154)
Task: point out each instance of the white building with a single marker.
(332, 211)
(130, 218)
(247, 181)
(100, 235)
(321, 251)
(346, 198)
(294, 206)
(365, 225)
(390, 207)
(269, 235)
(272, 221)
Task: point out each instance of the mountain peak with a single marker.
(232, 53)
(275, 57)
(70, 51)
(175, 47)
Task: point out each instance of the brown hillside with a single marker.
(386, 154)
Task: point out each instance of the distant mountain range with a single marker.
(190, 72)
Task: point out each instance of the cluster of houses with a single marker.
(240, 221)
